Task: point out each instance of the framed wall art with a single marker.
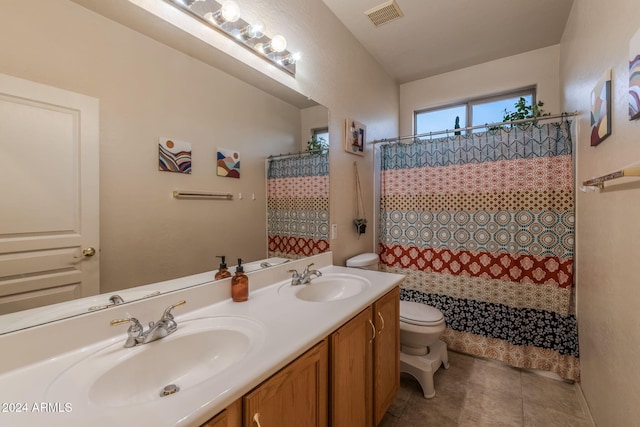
(355, 137)
(601, 109)
(228, 163)
(174, 155)
(634, 77)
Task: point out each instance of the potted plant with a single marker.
(361, 225)
(316, 143)
(360, 222)
(522, 111)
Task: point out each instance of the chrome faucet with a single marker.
(157, 330)
(115, 299)
(304, 277)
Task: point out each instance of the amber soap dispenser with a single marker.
(240, 284)
(222, 272)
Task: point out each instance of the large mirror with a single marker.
(150, 93)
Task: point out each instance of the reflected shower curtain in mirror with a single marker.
(482, 225)
(298, 205)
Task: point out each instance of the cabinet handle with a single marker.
(382, 320)
(256, 418)
(373, 327)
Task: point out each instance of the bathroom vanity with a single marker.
(320, 354)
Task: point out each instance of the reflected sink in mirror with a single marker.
(329, 287)
(198, 351)
(24, 319)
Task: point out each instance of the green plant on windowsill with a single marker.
(522, 111)
(316, 144)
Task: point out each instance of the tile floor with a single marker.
(475, 392)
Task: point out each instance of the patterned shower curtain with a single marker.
(482, 225)
(298, 205)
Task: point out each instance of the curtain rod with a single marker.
(299, 153)
(486, 125)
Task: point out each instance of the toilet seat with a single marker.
(415, 313)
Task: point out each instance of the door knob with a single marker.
(87, 252)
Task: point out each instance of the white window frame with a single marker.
(468, 104)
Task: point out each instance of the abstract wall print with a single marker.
(228, 163)
(174, 155)
(634, 77)
(601, 109)
(355, 133)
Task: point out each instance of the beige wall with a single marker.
(597, 38)
(535, 68)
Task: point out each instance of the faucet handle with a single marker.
(135, 324)
(306, 269)
(134, 332)
(167, 311)
(295, 272)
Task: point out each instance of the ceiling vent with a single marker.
(386, 12)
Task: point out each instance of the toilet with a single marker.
(422, 352)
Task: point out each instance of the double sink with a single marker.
(200, 350)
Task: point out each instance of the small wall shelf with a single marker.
(599, 181)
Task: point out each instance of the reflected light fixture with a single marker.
(225, 17)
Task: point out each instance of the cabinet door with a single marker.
(351, 372)
(386, 352)
(296, 396)
(230, 417)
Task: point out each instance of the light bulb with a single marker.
(278, 43)
(230, 11)
(256, 30)
(292, 58)
(252, 31)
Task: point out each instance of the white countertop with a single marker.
(291, 326)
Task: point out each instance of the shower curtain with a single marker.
(482, 225)
(298, 205)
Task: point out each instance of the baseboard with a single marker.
(547, 374)
(585, 406)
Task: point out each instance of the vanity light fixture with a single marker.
(225, 17)
(252, 31)
(229, 12)
(277, 44)
(292, 58)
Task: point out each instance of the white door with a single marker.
(49, 201)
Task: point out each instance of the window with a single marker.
(475, 112)
(321, 133)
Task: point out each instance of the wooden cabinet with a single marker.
(296, 396)
(347, 380)
(386, 353)
(351, 372)
(364, 365)
(230, 417)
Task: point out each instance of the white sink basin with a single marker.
(198, 351)
(330, 287)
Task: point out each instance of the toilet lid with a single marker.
(363, 260)
(417, 313)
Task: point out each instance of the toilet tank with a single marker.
(367, 261)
